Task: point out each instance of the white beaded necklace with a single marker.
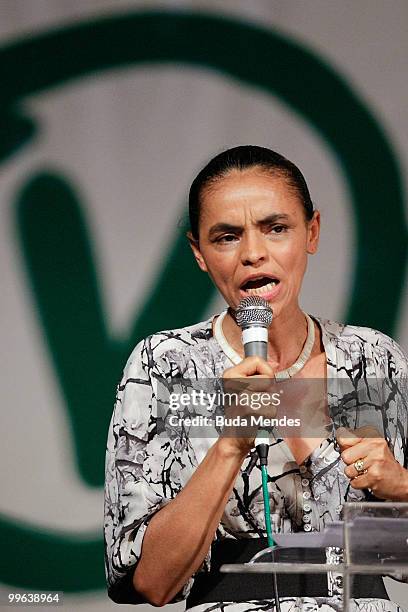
(283, 374)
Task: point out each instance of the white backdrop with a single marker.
(131, 140)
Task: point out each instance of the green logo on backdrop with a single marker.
(57, 247)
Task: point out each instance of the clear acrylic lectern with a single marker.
(372, 539)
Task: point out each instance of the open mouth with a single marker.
(259, 286)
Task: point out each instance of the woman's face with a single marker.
(254, 239)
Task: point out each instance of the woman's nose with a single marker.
(253, 249)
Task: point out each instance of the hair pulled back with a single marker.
(240, 158)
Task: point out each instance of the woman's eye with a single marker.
(278, 229)
(226, 238)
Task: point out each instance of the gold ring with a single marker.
(359, 465)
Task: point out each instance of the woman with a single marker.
(170, 502)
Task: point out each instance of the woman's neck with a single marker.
(286, 338)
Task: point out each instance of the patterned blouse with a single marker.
(146, 468)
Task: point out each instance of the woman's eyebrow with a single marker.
(229, 227)
(273, 218)
(224, 227)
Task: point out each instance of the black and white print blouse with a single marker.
(145, 468)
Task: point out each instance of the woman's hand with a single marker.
(253, 375)
(383, 475)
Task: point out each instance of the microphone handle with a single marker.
(256, 348)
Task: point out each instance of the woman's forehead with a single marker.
(250, 193)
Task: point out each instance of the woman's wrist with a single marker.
(400, 489)
(228, 448)
(404, 486)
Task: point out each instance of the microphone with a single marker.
(254, 316)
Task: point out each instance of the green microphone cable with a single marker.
(267, 508)
(262, 450)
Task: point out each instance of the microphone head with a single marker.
(253, 310)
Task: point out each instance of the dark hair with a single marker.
(239, 158)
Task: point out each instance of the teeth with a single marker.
(262, 290)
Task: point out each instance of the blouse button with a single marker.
(306, 495)
(302, 469)
(307, 518)
(307, 507)
(307, 527)
(305, 482)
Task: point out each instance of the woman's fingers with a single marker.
(346, 438)
(351, 471)
(363, 449)
(361, 443)
(247, 383)
(350, 437)
(363, 481)
(252, 375)
(377, 470)
(250, 366)
(386, 478)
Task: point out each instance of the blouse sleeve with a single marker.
(142, 473)
(395, 384)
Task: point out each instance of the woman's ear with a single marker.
(195, 247)
(313, 233)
